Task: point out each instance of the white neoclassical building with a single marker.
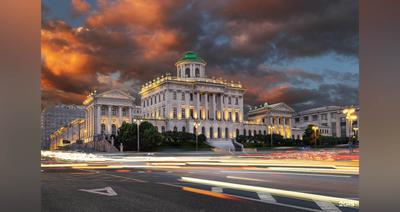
(277, 116)
(176, 103)
(330, 120)
(105, 112)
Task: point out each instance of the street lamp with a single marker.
(137, 121)
(315, 128)
(270, 128)
(350, 117)
(196, 126)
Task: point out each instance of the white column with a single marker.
(98, 124)
(222, 106)
(213, 107)
(206, 104)
(198, 105)
(109, 119)
(120, 115)
(284, 126)
(130, 114)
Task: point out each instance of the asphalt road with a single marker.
(163, 188)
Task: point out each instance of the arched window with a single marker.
(265, 132)
(103, 129)
(183, 129)
(203, 130)
(162, 129)
(113, 129)
(259, 132)
(219, 132)
(249, 132)
(237, 132)
(244, 132)
(211, 132)
(187, 72)
(226, 133)
(175, 129)
(255, 132)
(197, 72)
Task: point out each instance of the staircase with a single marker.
(221, 144)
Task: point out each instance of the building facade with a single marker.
(181, 102)
(330, 120)
(105, 112)
(55, 117)
(277, 117)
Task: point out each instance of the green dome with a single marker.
(191, 56)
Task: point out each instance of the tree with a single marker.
(310, 136)
(149, 137)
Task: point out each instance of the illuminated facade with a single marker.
(176, 103)
(105, 112)
(330, 120)
(277, 116)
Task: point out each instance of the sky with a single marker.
(301, 52)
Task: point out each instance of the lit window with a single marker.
(174, 95)
(183, 113)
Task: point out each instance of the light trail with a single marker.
(279, 192)
(210, 193)
(283, 173)
(246, 178)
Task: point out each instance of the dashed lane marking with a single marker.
(327, 206)
(267, 197)
(217, 189)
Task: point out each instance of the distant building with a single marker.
(330, 120)
(277, 116)
(55, 117)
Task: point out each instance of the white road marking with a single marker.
(267, 197)
(217, 189)
(327, 206)
(107, 191)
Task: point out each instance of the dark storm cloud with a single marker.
(239, 40)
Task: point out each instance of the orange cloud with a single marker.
(80, 7)
(157, 43)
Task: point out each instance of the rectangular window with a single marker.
(297, 120)
(183, 96)
(236, 101)
(163, 110)
(159, 97)
(230, 116)
(163, 96)
(183, 113)
(324, 116)
(314, 117)
(305, 118)
(191, 113)
(174, 95)
(175, 113)
(229, 100)
(191, 96)
(237, 116)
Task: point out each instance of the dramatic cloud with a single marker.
(130, 42)
(79, 7)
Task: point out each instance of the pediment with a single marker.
(116, 94)
(282, 107)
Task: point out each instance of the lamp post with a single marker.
(315, 128)
(270, 128)
(196, 126)
(350, 117)
(137, 121)
(355, 129)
